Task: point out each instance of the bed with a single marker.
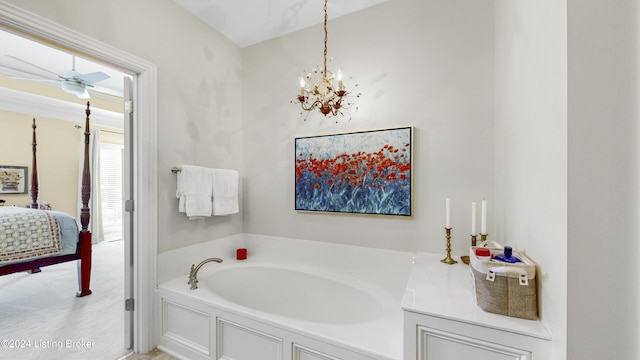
(58, 237)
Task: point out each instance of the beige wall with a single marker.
(60, 146)
(58, 151)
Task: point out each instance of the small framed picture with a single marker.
(13, 179)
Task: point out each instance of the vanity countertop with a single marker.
(445, 291)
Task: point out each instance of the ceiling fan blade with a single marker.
(93, 77)
(12, 72)
(105, 90)
(40, 80)
(34, 65)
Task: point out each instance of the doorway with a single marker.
(26, 69)
(144, 217)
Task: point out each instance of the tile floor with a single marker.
(154, 354)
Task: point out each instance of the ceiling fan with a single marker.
(70, 81)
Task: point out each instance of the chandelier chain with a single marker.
(326, 36)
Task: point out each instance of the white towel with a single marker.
(225, 192)
(195, 188)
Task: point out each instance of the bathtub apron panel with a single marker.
(233, 336)
(238, 342)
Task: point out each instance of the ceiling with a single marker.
(248, 22)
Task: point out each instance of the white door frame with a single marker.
(144, 152)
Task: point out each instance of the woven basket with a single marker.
(504, 288)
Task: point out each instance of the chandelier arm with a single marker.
(310, 107)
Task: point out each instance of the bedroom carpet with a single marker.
(40, 317)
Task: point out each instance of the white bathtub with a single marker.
(291, 299)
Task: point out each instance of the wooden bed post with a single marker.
(34, 168)
(34, 179)
(84, 266)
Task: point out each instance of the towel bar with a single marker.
(175, 169)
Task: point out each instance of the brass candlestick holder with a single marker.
(465, 258)
(483, 237)
(448, 260)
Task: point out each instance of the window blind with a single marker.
(111, 189)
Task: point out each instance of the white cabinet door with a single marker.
(435, 345)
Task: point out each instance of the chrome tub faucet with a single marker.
(193, 273)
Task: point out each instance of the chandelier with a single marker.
(323, 89)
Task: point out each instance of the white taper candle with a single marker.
(483, 226)
(473, 218)
(448, 213)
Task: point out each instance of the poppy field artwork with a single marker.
(365, 172)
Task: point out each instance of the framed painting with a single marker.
(366, 172)
(13, 179)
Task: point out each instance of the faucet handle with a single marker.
(191, 274)
(194, 284)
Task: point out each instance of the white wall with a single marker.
(423, 63)
(603, 272)
(199, 94)
(531, 146)
(567, 112)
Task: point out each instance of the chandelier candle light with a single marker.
(322, 89)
